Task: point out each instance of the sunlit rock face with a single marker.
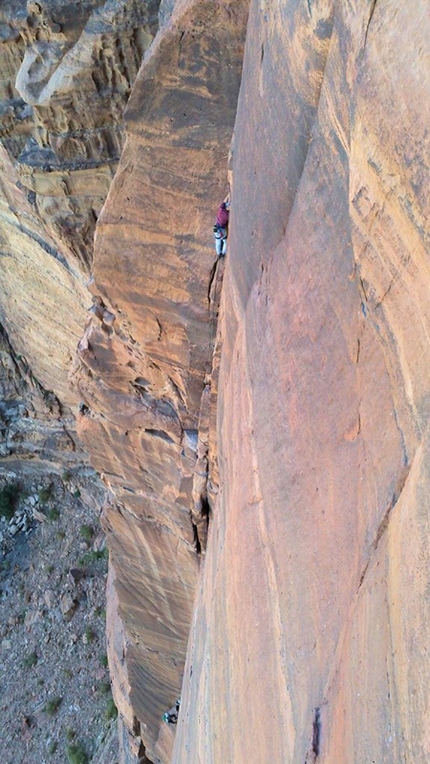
(144, 366)
(309, 638)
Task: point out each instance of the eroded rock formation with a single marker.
(309, 632)
(66, 73)
(145, 361)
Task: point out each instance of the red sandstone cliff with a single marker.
(145, 361)
(309, 638)
(309, 633)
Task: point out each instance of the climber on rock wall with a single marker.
(221, 227)
(171, 716)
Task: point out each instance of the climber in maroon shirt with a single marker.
(221, 228)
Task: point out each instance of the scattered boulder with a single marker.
(76, 575)
(68, 606)
(39, 516)
(50, 599)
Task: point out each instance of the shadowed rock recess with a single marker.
(297, 429)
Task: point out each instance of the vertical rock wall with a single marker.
(309, 635)
(145, 360)
(309, 638)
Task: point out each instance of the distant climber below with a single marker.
(221, 228)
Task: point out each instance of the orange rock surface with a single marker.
(145, 361)
(303, 422)
(309, 638)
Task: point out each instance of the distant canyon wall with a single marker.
(66, 72)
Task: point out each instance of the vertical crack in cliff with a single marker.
(311, 120)
(203, 481)
(141, 751)
(383, 525)
(197, 542)
(372, 10)
(314, 749)
(316, 732)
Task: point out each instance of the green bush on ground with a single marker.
(111, 710)
(9, 496)
(52, 706)
(45, 494)
(76, 754)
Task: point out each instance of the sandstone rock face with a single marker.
(32, 421)
(309, 632)
(144, 366)
(309, 639)
(76, 65)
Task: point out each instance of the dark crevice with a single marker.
(387, 291)
(160, 434)
(211, 278)
(197, 543)
(357, 358)
(363, 289)
(372, 10)
(205, 509)
(383, 525)
(142, 757)
(160, 330)
(316, 732)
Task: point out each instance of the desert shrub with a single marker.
(94, 555)
(45, 494)
(52, 706)
(90, 634)
(30, 660)
(111, 710)
(9, 496)
(86, 532)
(76, 754)
(53, 515)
